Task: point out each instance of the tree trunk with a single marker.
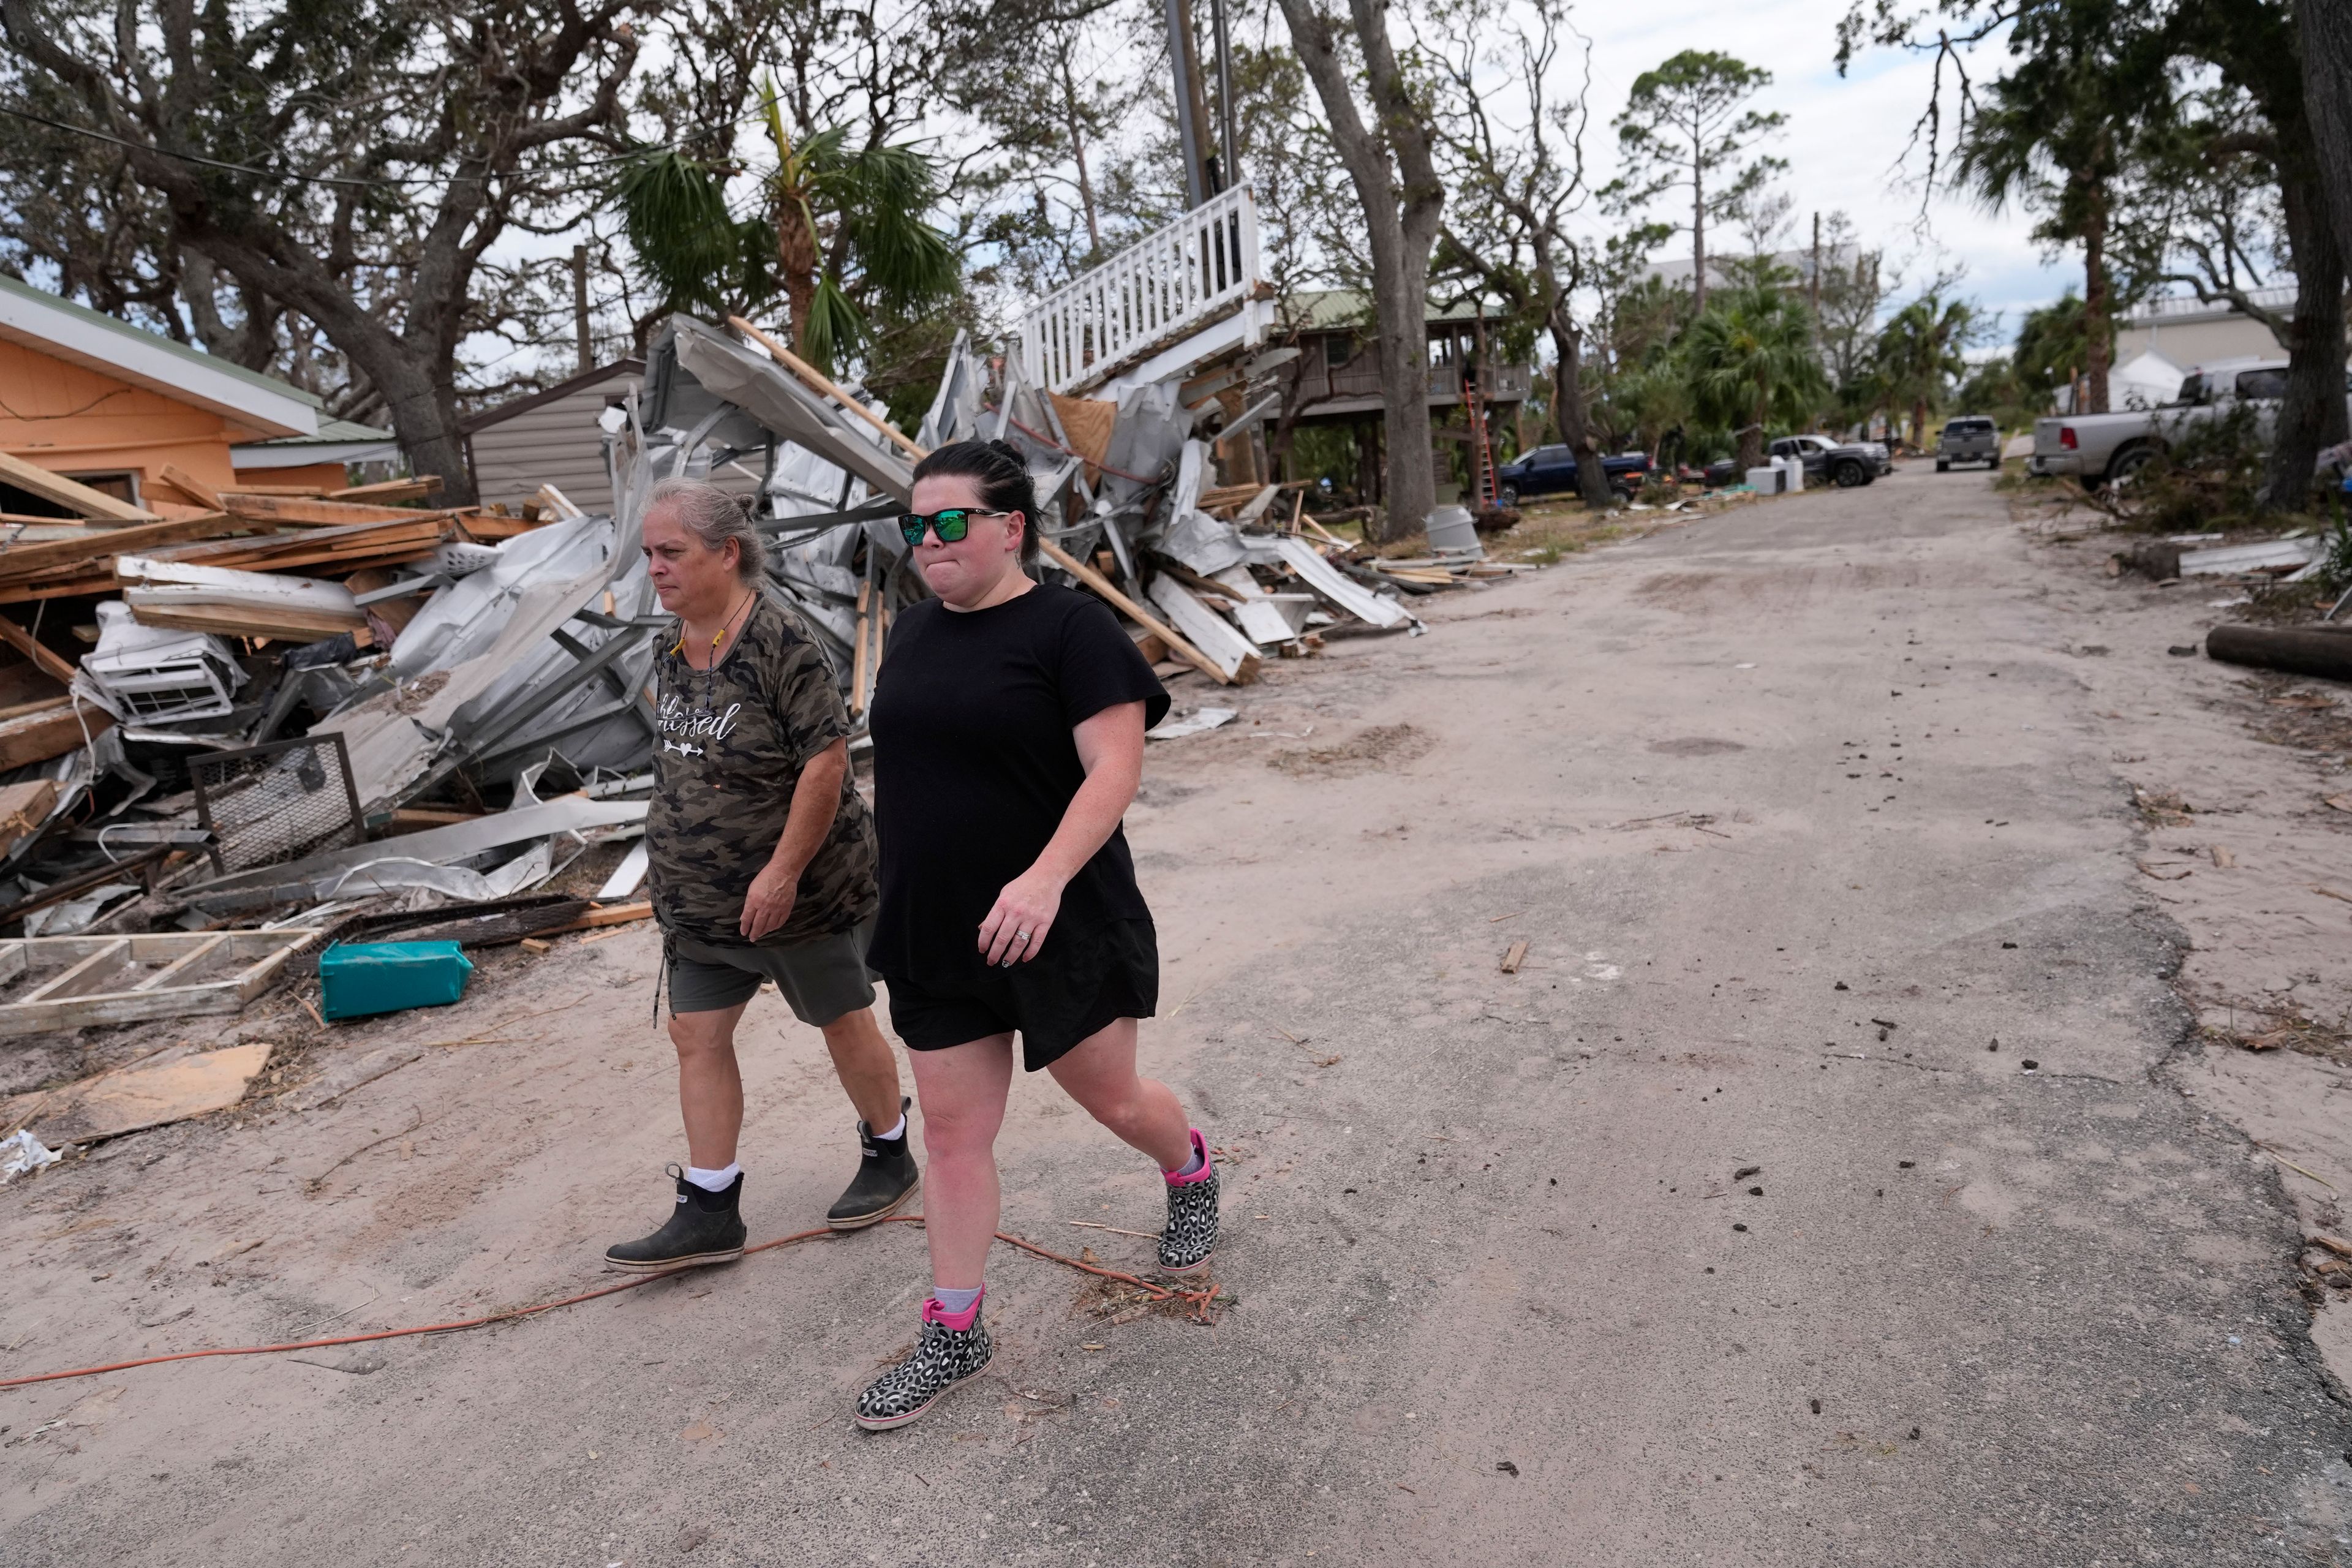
(1078, 156)
(1401, 201)
(1751, 450)
(1698, 236)
(2313, 413)
(2097, 350)
(796, 261)
(1575, 429)
(2327, 99)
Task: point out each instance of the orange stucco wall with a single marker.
(76, 421)
(317, 475)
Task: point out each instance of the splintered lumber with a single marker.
(485, 528)
(93, 547)
(157, 607)
(2299, 650)
(822, 384)
(59, 491)
(298, 512)
(188, 485)
(418, 489)
(24, 807)
(607, 915)
(46, 662)
(51, 732)
(1108, 590)
(857, 656)
(356, 545)
(1210, 632)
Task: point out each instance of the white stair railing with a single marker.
(1172, 281)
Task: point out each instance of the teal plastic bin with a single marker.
(365, 977)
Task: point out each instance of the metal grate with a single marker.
(278, 802)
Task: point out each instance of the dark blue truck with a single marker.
(1551, 470)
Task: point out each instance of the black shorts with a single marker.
(1073, 990)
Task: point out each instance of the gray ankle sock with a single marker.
(954, 1301)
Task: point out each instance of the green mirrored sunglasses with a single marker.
(950, 522)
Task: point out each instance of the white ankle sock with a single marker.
(898, 1132)
(714, 1181)
(953, 1301)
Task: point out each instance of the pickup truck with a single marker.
(1551, 470)
(1970, 439)
(1842, 464)
(2105, 449)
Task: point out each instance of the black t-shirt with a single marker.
(974, 764)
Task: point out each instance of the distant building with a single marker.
(2187, 331)
(1675, 271)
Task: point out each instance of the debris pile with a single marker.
(311, 715)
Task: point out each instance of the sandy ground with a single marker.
(1853, 1185)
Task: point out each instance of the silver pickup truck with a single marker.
(2103, 448)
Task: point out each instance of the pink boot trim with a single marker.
(1201, 1147)
(935, 1313)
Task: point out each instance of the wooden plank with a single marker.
(78, 978)
(383, 490)
(1104, 586)
(366, 544)
(100, 545)
(46, 662)
(609, 915)
(1513, 956)
(254, 620)
(25, 806)
(820, 383)
(194, 488)
(301, 513)
(484, 529)
(857, 654)
(38, 737)
(59, 491)
(181, 965)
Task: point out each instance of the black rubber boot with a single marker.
(703, 1228)
(887, 1177)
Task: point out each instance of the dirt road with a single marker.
(1720, 1233)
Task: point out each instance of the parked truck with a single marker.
(1969, 439)
(1551, 470)
(2105, 449)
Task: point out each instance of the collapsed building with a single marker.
(339, 707)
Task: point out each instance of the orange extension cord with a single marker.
(1201, 1300)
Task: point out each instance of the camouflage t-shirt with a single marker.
(732, 745)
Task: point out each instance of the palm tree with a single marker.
(1752, 362)
(1919, 355)
(840, 232)
(2053, 133)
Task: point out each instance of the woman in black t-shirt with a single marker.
(1008, 725)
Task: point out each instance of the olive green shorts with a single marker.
(820, 979)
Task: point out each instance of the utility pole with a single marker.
(1813, 285)
(580, 309)
(1229, 171)
(1201, 174)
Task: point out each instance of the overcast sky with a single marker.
(1842, 139)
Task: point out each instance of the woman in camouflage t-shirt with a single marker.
(761, 857)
